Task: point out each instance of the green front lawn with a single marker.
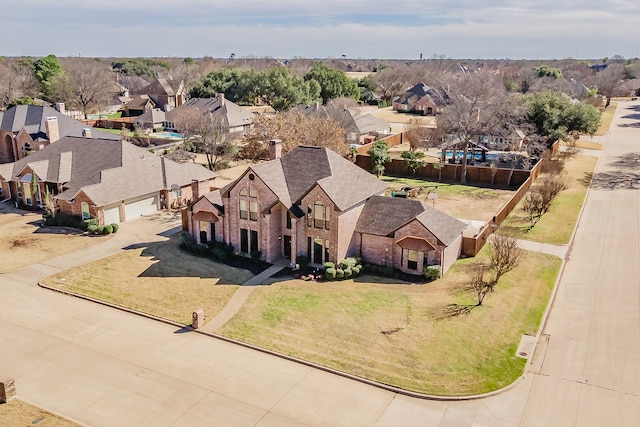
(400, 334)
(557, 225)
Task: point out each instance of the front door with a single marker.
(317, 251)
(287, 246)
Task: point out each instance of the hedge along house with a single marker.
(111, 180)
(311, 202)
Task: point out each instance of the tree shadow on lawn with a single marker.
(450, 311)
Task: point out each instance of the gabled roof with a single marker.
(154, 115)
(382, 216)
(33, 117)
(140, 101)
(421, 94)
(231, 114)
(293, 175)
(350, 120)
(105, 170)
(161, 87)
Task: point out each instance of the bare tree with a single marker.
(609, 80)
(477, 280)
(208, 133)
(504, 254)
(533, 206)
(91, 82)
(479, 103)
(16, 81)
(391, 81)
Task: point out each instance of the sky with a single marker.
(385, 29)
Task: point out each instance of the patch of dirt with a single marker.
(23, 242)
(19, 413)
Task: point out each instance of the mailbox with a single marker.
(198, 319)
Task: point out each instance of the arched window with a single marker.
(248, 203)
(84, 207)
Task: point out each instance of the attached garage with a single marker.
(143, 206)
(112, 213)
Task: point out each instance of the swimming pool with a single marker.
(172, 135)
(470, 155)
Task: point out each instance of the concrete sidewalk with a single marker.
(240, 296)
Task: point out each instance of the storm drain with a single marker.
(527, 344)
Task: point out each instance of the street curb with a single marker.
(372, 383)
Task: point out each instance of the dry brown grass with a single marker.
(394, 117)
(606, 118)
(348, 325)
(159, 279)
(24, 243)
(357, 75)
(19, 413)
(587, 145)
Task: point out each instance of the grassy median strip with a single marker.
(159, 279)
(557, 225)
(404, 334)
(606, 118)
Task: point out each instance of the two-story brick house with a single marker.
(314, 203)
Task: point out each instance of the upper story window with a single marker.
(318, 216)
(248, 203)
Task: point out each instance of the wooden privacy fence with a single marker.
(391, 140)
(475, 175)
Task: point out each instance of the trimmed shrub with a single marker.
(347, 273)
(87, 222)
(348, 263)
(339, 273)
(329, 264)
(432, 272)
(387, 271)
(91, 229)
(330, 273)
(201, 249)
(187, 241)
(302, 260)
(356, 270)
(228, 249)
(256, 255)
(108, 229)
(221, 254)
(66, 220)
(367, 268)
(100, 229)
(115, 227)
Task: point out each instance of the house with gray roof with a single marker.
(111, 180)
(361, 127)
(235, 119)
(312, 202)
(422, 99)
(28, 128)
(167, 94)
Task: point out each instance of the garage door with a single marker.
(135, 208)
(112, 214)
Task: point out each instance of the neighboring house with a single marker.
(28, 128)
(167, 94)
(231, 116)
(422, 99)
(504, 140)
(312, 202)
(137, 106)
(361, 128)
(151, 120)
(629, 88)
(111, 180)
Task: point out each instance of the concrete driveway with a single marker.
(105, 367)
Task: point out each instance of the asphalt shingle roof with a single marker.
(33, 117)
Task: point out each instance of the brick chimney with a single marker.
(60, 107)
(275, 149)
(86, 132)
(51, 127)
(221, 96)
(195, 190)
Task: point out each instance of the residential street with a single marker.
(105, 367)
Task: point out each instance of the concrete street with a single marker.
(105, 367)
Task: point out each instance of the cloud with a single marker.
(359, 28)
